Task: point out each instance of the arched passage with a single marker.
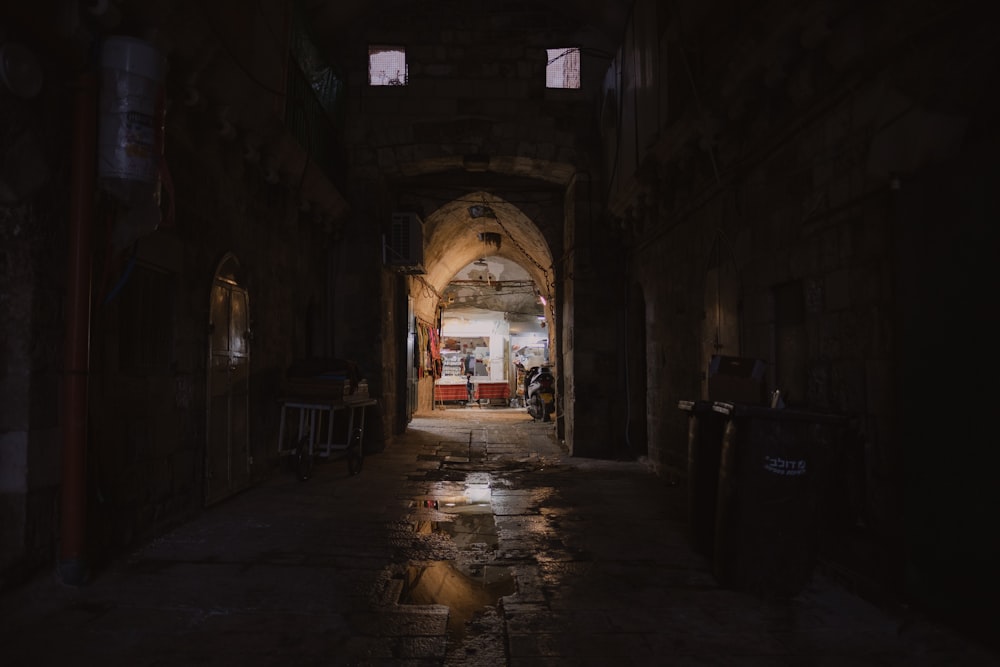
(494, 232)
(452, 239)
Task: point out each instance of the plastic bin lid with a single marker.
(695, 406)
(763, 412)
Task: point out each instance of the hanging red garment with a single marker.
(421, 349)
(435, 344)
(436, 364)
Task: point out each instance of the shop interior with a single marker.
(493, 328)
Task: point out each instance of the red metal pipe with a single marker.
(72, 545)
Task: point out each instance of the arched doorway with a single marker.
(493, 329)
(484, 252)
(227, 450)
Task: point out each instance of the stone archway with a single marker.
(454, 236)
(452, 240)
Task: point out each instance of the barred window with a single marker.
(562, 69)
(387, 66)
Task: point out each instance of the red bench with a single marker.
(450, 392)
(488, 390)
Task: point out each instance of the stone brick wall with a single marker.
(149, 428)
(592, 376)
(792, 141)
(33, 177)
(475, 87)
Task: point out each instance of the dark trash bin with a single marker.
(775, 469)
(705, 429)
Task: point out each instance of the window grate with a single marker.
(387, 66)
(562, 70)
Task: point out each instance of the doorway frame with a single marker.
(230, 270)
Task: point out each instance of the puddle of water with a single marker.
(470, 529)
(465, 590)
(471, 524)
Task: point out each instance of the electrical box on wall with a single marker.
(404, 247)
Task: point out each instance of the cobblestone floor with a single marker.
(470, 540)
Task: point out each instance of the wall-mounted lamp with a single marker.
(491, 238)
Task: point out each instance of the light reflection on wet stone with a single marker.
(468, 585)
(466, 590)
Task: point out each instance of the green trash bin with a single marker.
(775, 470)
(705, 429)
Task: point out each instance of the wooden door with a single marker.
(227, 462)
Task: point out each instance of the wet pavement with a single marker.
(470, 540)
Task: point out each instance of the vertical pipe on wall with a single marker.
(72, 562)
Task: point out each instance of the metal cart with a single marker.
(308, 425)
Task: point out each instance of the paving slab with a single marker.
(472, 539)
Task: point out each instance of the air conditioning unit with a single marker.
(404, 248)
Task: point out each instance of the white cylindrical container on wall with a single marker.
(130, 125)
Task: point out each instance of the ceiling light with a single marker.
(481, 211)
(491, 238)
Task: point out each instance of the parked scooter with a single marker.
(540, 393)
